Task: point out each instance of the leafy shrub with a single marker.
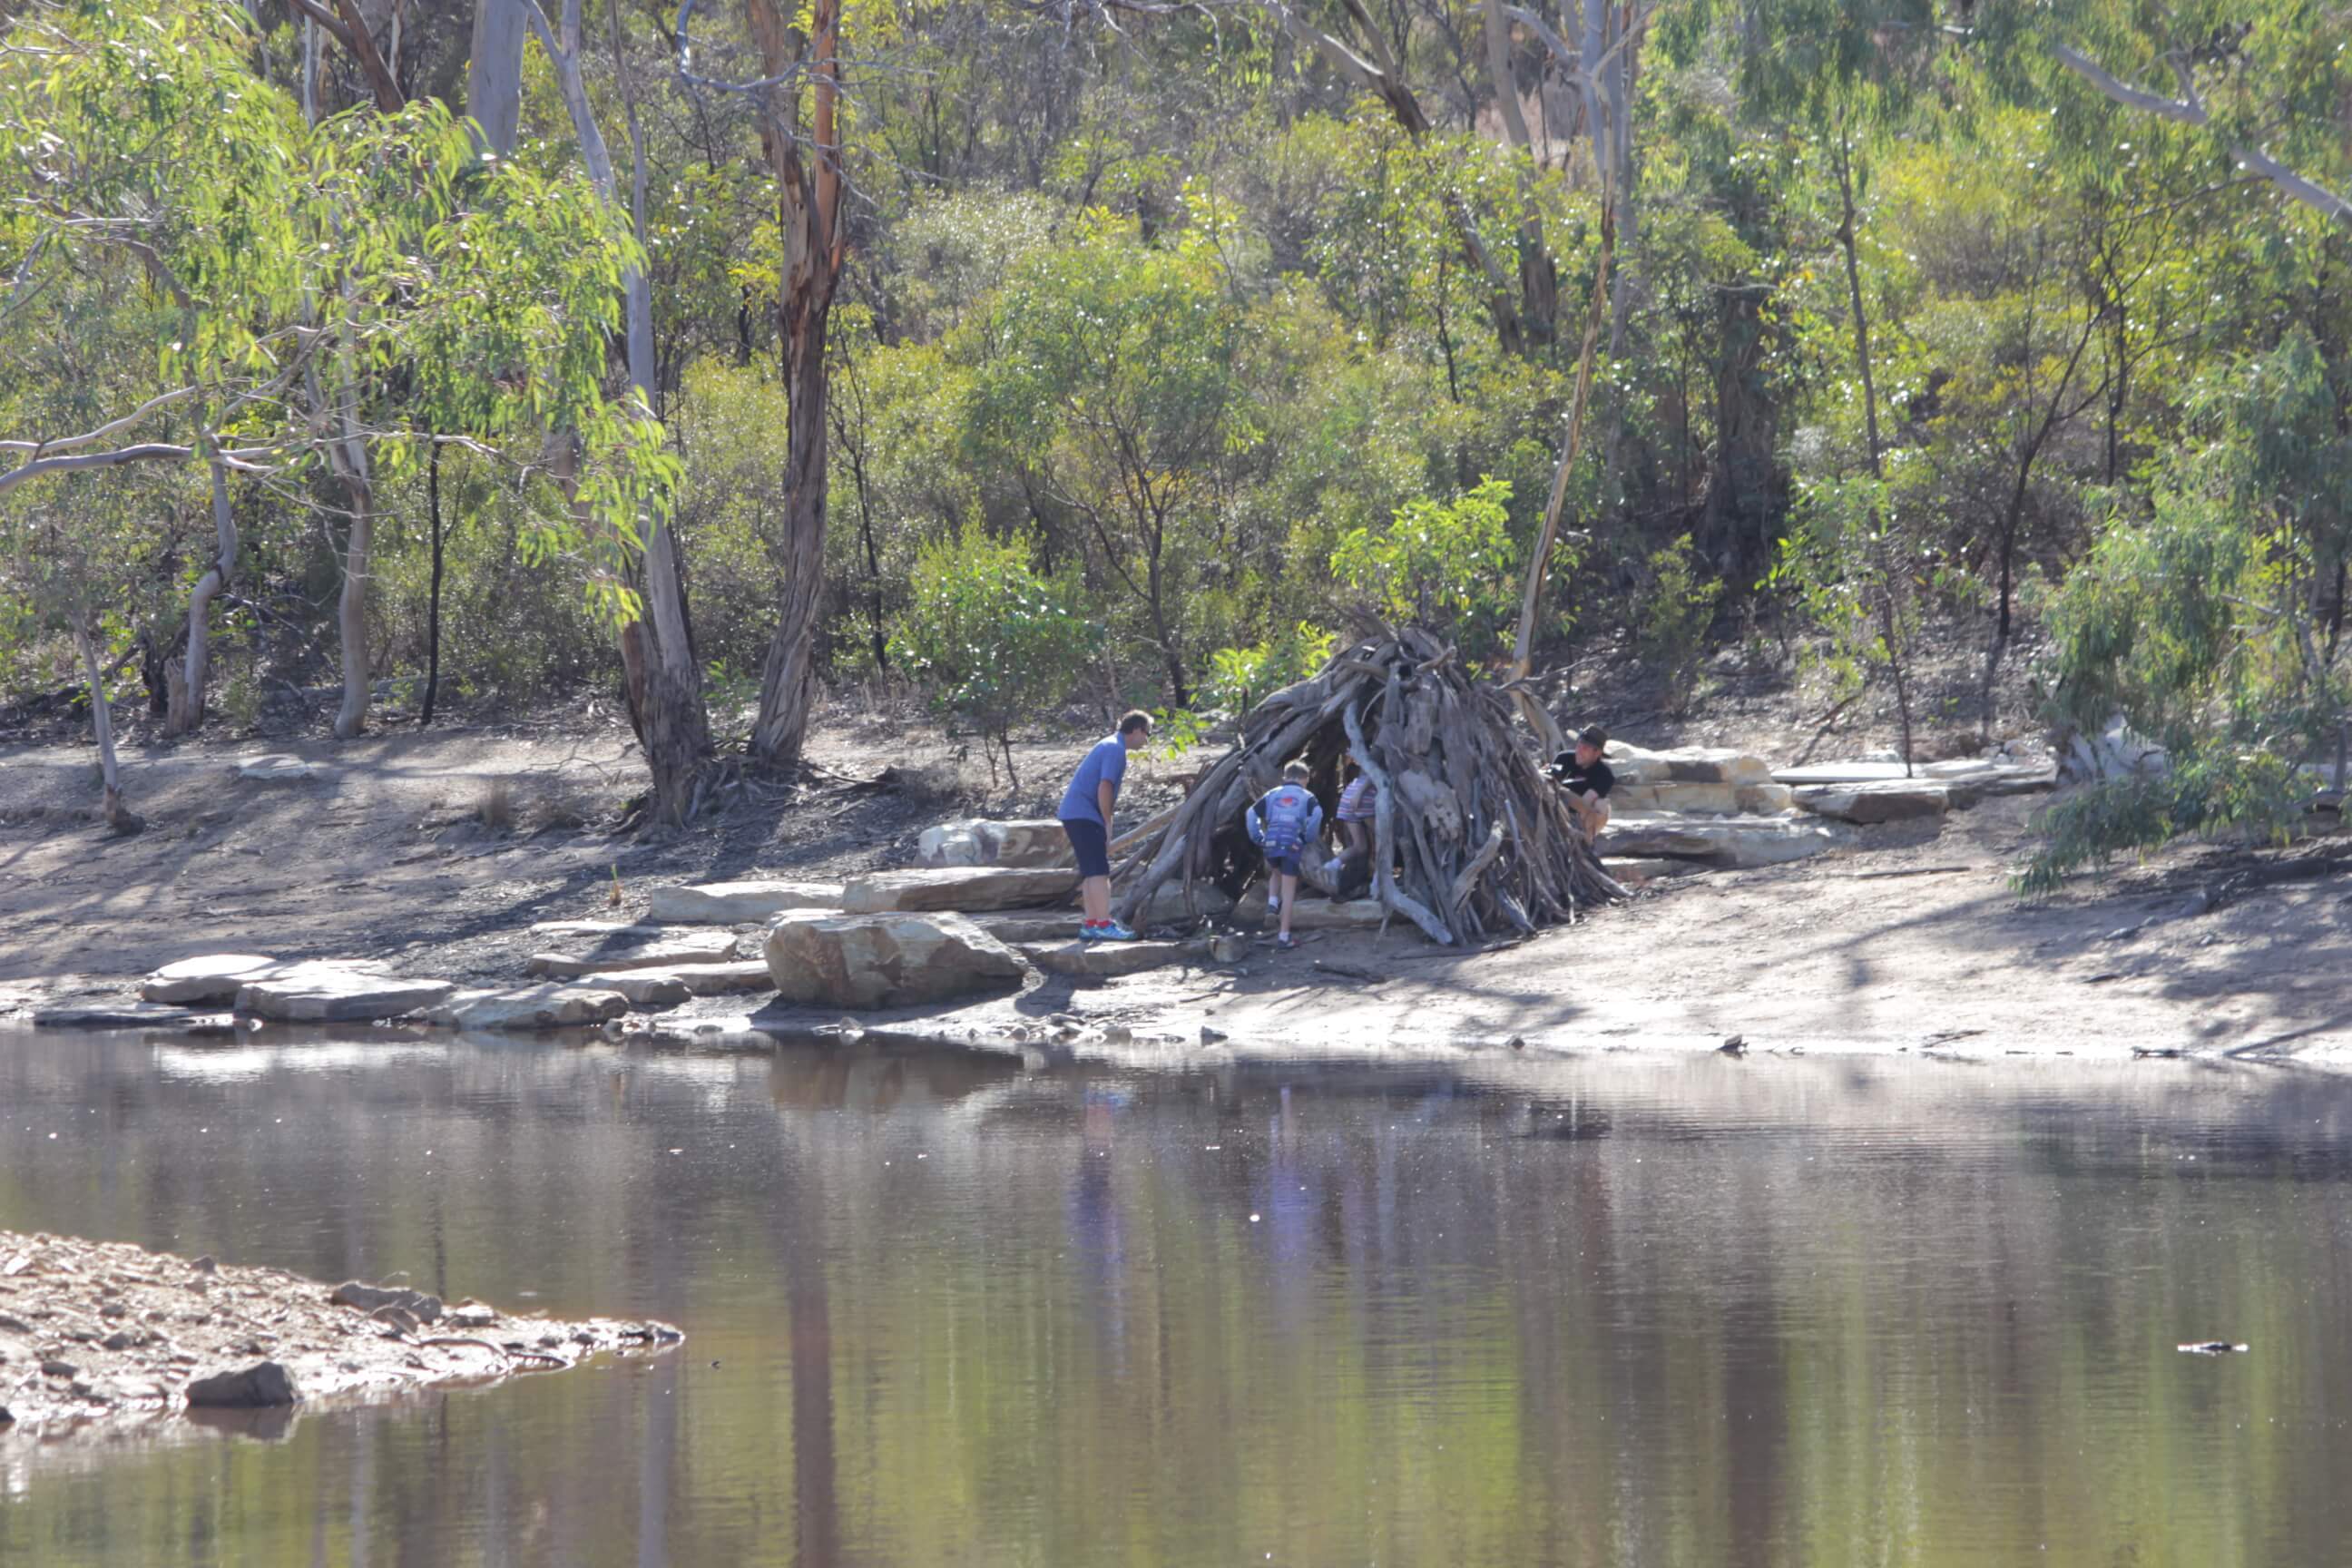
(992, 639)
(1240, 677)
(1670, 636)
(1446, 565)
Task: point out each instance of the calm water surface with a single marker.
(942, 1311)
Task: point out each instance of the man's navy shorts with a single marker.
(1284, 865)
(1091, 844)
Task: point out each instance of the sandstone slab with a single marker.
(1894, 801)
(705, 979)
(211, 978)
(960, 890)
(667, 952)
(280, 769)
(1018, 929)
(644, 987)
(1967, 779)
(335, 993)
(531, 1007)
(738, 903)
(1104, 959)
(891, 959)
(1726, 841)
(1030, 842)
(599, 930)
(1686, 764)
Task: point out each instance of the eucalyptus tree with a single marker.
(1113, 386)
(419, 296)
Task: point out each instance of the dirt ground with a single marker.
(437, 850)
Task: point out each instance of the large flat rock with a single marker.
(738, 903)
(1702, 799)
(892, 960)
(1685, 764)
(1031, 842)
(331, 993)
(1966, 780)
(599, 930)
(1897, 800)
(666, 953)
(529, 1007)
(210, 977)
(278, 768)
(1020, 928)
(1104, 959)
(648, 988)
(1722, 841)
(1314, 914)
(960, 890)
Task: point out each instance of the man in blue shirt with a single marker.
(1085, 817)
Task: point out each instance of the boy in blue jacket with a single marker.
(1283, 824)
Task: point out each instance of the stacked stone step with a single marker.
(1697, 808)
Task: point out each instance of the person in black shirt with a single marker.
(1585, 780)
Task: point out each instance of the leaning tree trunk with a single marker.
(101, 718)
(665, 686)
(186, 707)
(810, 221)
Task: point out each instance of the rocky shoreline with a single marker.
(105, 1332)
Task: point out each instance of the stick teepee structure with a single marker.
(1470, 839)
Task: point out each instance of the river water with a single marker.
(1606, 1309)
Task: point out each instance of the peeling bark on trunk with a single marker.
(807, 167)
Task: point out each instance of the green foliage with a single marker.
(1448, 565)
(2206, 621)
(1240, 677)
(1678, 609)
(2208, 791)
(992, 639)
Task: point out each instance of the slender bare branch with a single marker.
(2192, 111)
(112, 426)
(146, 452)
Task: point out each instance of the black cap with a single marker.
(1595, 736)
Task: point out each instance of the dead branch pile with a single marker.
(1470, 839)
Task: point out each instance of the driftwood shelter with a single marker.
(1470, 839)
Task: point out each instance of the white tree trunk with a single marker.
(494, 73)
(351, 611)
(101, 718)
(665, 684)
